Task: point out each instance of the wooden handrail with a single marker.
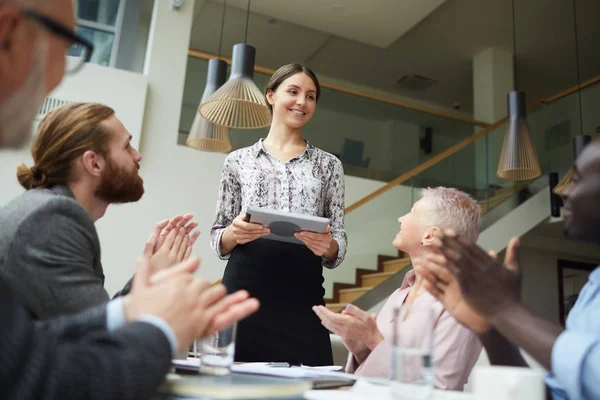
(572, 90)
(459, 146)
(357, 93)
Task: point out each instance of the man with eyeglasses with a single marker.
(120, 350)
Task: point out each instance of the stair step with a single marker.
(396, 265)
(375, 279)
(349, 295)
(336, 307)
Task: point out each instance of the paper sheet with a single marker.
(291, 372)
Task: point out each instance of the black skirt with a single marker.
(287, 279)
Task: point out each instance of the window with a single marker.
(100, 21)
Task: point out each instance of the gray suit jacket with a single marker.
(76, 358)
(50, 253)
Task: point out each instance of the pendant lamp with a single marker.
(518, 159)
(204, 135)
(239, 103)
(581, 140)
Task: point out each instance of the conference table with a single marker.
(181, 385)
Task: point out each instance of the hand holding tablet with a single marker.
(284, 225)
(244, 231)
(321, 244)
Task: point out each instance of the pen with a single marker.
(283, 364)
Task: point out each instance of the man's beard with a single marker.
(119, 186)
(18, 112)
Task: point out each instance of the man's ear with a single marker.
(93, 163)
(430, 234)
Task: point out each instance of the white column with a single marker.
(177, 179)
(492, 80)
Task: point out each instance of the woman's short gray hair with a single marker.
(452, 209)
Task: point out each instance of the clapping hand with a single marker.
(193, 308)
(356, 327)
(180, 221)
(440, 282)
(471, 283)
(171, 242)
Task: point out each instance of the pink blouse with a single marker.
(455, 348)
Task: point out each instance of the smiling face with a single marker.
(294, 100)
(581, 211)
(412, 229)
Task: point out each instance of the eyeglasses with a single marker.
(81, 50)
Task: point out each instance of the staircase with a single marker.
(368, 281)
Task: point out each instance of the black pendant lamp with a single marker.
(518, 159)
(204, 135)
(239, 103)
(581, 140)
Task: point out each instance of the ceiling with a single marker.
(376, 45)
(377, 23)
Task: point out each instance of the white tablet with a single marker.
(284, 224)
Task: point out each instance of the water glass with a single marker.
(412, 366)
(217, 351)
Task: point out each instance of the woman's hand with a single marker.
(244, 232)
(322, 244)
(356, 327)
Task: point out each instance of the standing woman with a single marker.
(282, 172)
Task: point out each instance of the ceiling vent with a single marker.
(50, 103)
(415, 83)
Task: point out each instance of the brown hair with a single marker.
(285, 72)
(63, 135)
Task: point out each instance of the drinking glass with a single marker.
(412, 367)
(217, 352)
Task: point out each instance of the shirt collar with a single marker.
(595, 276)
(409, 279)
(62, 190)
(259, 148)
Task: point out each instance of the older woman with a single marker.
(369, 337)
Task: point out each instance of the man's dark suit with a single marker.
(76, 358)
(50, 253)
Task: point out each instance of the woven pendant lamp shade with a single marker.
(238, 103)
(579, 142)
(564, 183)
(518, 159)
(204, 135)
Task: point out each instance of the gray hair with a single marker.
(453, 209)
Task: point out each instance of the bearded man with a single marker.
(82, 162)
